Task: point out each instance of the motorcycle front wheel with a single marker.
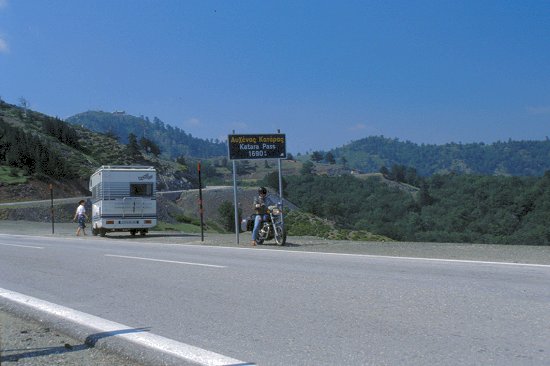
(280, 235)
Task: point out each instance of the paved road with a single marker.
(275, 307)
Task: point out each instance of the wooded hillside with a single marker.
(173, 141)
(457, 206)
(34, 146)
(518, 158)
(447, 208)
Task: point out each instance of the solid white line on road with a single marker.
(157, 343)
(21, 246)
(408, 258)
(192, 244)
(441, 260)
(475, 262)
(166, 261)
(298, 252)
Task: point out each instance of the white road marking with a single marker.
(21, 246)
(192, 244)
(297, 252)
(478, 262)
(158, 343)
(441, 260)
(166, 261)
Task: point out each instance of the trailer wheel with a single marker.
(102, 232)
(143, 232)
(133, 232)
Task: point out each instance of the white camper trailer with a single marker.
(124, 199)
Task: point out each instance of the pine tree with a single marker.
(133, 148)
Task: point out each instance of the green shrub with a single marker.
(299, 223)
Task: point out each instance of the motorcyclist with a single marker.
(260, 209)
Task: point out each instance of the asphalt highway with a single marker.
(299, 305)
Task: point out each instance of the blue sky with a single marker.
(323, 72)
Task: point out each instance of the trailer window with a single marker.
(141, 189)
(95, 192)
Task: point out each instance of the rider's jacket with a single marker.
(262, 208)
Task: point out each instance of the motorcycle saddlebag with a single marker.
(247, 224)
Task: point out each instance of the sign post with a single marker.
(281, 192)
(254, 146)
(51, 206)
(236, 210)
(200, 201)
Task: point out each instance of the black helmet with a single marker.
(262, 190)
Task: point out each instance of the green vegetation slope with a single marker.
(37, 150)
(446, 208)
(173, 141)
(517, 158)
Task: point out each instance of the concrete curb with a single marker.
(134, 343)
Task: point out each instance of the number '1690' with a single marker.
(257, 153)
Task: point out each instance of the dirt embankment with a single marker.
(19, 196)
(169, 209)
(213, 197)
(39, 190)
(40, 211)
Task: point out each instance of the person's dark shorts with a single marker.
(82, 221)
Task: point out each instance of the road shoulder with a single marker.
(29, 342)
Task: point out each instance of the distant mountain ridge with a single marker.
(173, 141)
(514, 158)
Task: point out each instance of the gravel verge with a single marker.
(27, 342)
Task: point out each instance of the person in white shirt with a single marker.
(80, 214)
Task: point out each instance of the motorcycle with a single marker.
(271, 226)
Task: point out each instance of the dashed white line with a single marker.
(165, 261)
(21, 246)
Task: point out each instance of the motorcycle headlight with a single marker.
(276, 211)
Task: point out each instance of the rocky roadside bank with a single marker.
(64, 209)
